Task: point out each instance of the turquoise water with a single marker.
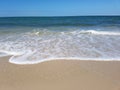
(36, 39)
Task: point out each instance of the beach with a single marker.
(60, 75)
(60, 53)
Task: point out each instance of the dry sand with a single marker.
(60, 75)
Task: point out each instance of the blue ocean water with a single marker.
(36, 39)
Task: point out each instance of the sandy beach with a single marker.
(60, 75)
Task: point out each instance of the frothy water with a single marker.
(43, 45)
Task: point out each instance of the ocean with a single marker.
(31, 40)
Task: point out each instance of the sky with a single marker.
(59, 7)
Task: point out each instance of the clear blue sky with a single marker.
(59, 7)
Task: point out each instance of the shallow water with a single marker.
(32, 40)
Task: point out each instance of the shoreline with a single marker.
(60, 74)
(61, 59)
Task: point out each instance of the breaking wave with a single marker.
(43, 45)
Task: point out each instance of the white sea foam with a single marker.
(98, 32)
(44, 45)
(10, 52)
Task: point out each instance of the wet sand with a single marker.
(60, 75)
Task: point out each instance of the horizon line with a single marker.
(58, 16)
